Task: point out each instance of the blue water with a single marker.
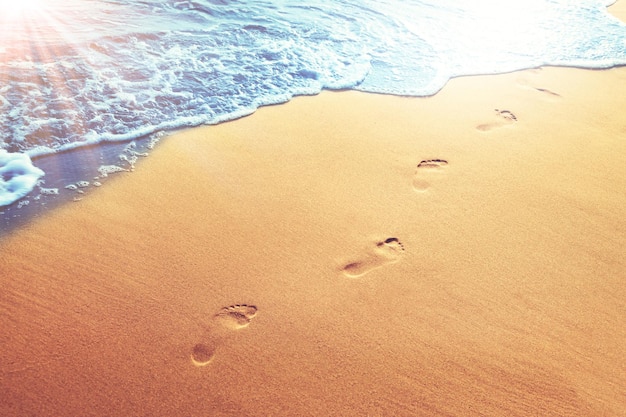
(77, 72)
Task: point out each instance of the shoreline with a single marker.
(38, 204)
(20, 212)
(343, 254)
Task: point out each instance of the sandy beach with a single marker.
(347, 254)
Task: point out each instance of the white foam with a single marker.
(18, 176)
(206, 71)
(48, 191)
(105, 170)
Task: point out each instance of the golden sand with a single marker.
(347, 254)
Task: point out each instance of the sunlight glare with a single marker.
(14, 8)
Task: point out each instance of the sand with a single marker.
(346, 254)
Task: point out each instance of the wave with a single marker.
(82, 74)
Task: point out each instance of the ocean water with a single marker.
(77, 73)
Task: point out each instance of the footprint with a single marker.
(385, 252)
(236, 316)
(548, 92)
(528, 84)
(505, 117)
(229, 318)
(202, 354)
(426, 169)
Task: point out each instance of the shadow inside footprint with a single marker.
(504, 117)
(202, 354)
(548, 92)
(530, 84)
(236, 316)
(384, 252)
(424, 169)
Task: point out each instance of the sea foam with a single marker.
(118, 71)
(18, 176)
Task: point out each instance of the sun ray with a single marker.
(12, 9)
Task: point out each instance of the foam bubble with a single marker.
(48, 191)
(105, 170)
(213, 62)
(18, 176)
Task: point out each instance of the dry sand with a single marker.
(346, 254)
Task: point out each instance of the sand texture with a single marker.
(347, 254)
